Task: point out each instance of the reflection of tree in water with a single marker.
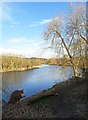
(64, 71)
(6, 94)
(6, 90)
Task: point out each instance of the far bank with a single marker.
(15, 63)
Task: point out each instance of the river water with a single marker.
(33, 81)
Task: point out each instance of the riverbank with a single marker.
(19, 63)
(21, 69)
(70, 103)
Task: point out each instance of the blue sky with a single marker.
(23, 24)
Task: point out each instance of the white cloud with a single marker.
(15, 51)
(34, 24)
(45, 21)
(24, 41)
(28, 53)
(26, 47)
(23, 45)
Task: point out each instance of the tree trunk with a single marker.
(39, 95)
(75, 68)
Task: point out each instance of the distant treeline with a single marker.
(14, 63)
(10, 63)
(66, 62)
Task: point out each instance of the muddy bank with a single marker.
(70, 103)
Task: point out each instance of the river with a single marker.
(33, 81)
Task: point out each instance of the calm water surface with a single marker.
(33, 81)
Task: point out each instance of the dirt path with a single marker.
(70, 103)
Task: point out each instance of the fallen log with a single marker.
(41, 94)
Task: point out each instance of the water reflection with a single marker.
(33, 81)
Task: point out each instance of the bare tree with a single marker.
(76, 27)
(66, 32)
(76, 21)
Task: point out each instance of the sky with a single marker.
(23, 25)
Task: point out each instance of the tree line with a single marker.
(14, 63)
(11, 62)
